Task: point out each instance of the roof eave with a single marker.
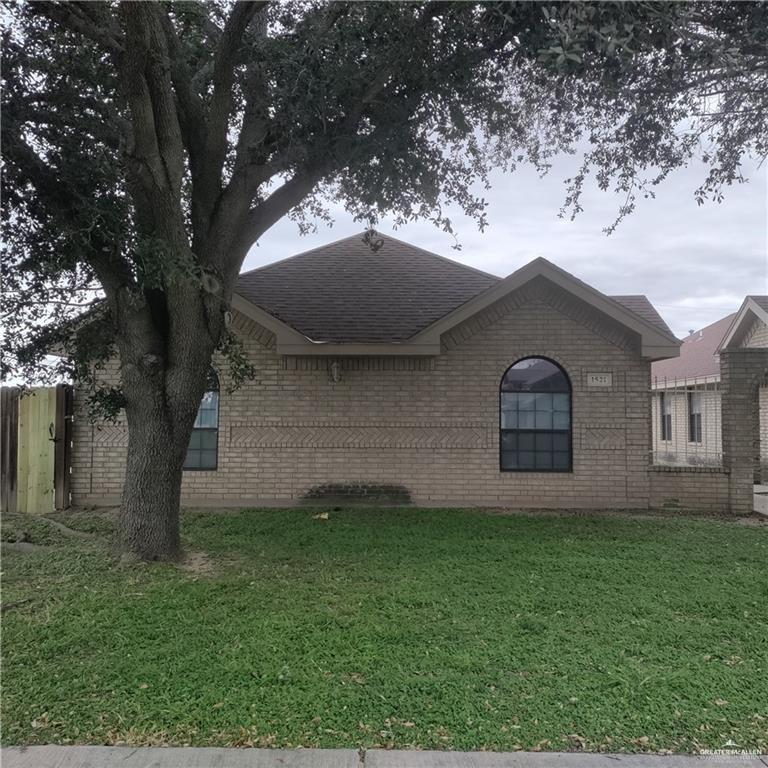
(284, 333)
(659, 383)
(288, 341)
(373, 349)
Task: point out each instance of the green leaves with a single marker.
(384, 109)
(240, 368)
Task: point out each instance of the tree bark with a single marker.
(162, 387)
(149, 513)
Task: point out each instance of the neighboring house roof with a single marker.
(698, 356)
(345, 298)
(753, 307)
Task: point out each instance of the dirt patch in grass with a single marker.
(199, 563)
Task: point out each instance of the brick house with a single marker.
(403, 375)
(687, 390)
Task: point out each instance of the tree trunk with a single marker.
(160, 405)
(149, 513)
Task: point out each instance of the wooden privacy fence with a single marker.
(36, 449)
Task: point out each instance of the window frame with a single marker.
(666, 427)
(213, 378)
(534, 470)
(695, 426)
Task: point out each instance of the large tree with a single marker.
(147, 146)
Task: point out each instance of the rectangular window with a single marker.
(694, 417)
(535, 431)
(665, 411)
(203, 444)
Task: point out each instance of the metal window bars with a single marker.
(686, 426)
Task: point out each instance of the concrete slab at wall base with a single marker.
(194, 757)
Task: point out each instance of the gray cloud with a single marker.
(695, 263)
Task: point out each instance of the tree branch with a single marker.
(191, 114)
(192, 110)
(280, 202)
(225, 59)
(72, 16)
(156, 164)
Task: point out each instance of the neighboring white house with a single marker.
(686, 403)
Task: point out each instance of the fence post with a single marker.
(9, 448)
(62, 446)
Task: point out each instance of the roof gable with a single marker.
(657, 341)
(753, 308)
(343, 298)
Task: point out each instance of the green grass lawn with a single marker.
(394, 628)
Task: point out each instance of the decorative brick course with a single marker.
(109, 436)
(287, 435)
(603, 438)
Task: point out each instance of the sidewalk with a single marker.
(194, 757)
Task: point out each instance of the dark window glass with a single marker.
(535, 417)
(202, 452)
(694, 417)
(665, 415)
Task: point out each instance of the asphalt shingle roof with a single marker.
(697, 355)
(344, 292)
(640, 306)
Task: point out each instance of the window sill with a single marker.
(538, 471)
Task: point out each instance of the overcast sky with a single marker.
(695, 263)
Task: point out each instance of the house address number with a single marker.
(599, 379)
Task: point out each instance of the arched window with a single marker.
(535, 417)
(203, 444)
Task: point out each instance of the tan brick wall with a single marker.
(742, 371)
(756, 336)
(98, 449)
(689, 488)
(763, 406)
(430, 425)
